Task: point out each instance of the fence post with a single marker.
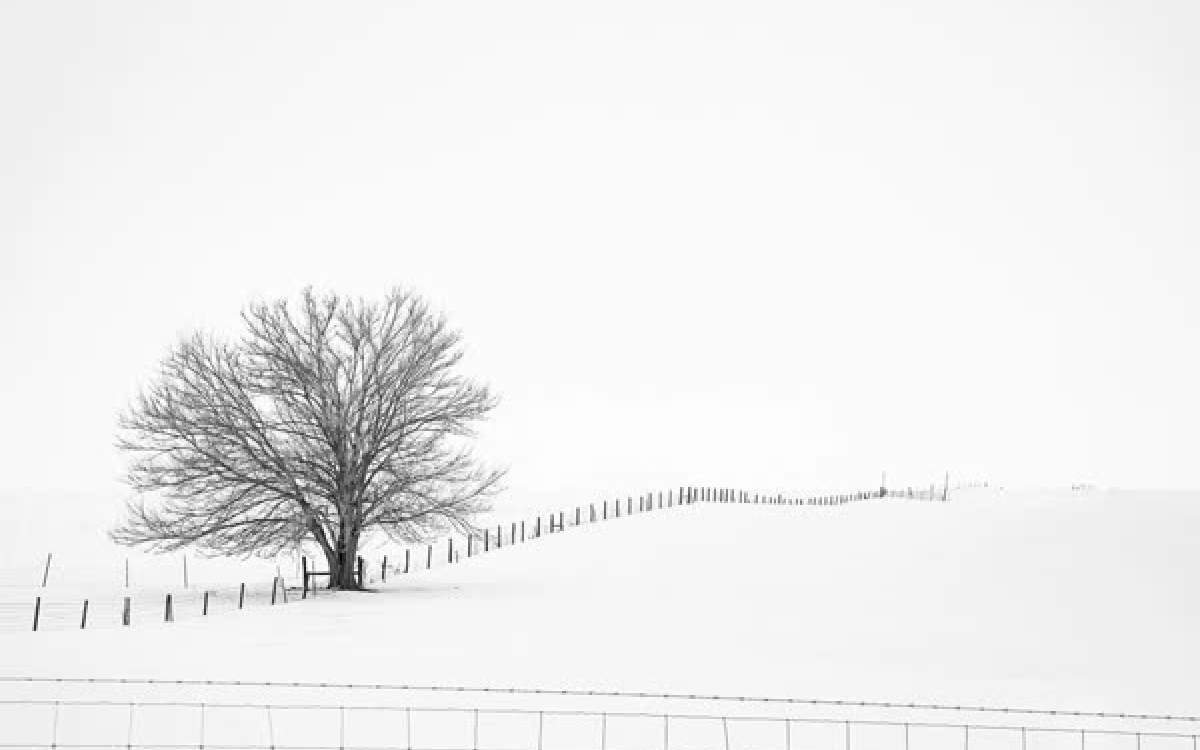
(242, 595)
(205, 612)
(449, 550)
(537, 527)
(274, 588)
(37, 612)
(470, 545)
(576, 515)
(383, 570)
(303, 573)
(406, 560)
(522, 531)
(168, 614)
(487, 536)
(46, 572)
(125, 612)
(499, 536)
(83, 619)
(429, 558)
(361, 578)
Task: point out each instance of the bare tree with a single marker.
(330, 420)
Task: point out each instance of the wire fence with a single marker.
(150, 606)
(73, 723)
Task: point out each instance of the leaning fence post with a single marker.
(37, 612)
(46, 573)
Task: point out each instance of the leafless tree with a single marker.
(328, 421)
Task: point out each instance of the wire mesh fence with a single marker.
(76, 723)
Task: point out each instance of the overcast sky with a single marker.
(766, 244)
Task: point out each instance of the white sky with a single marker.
(761, 244)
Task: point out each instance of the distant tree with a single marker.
(329, 420)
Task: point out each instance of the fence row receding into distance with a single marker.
(45, 613)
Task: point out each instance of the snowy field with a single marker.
(1052, 599)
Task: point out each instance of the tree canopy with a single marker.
(330, 419)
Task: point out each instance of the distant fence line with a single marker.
(129, 724)
(43, 613)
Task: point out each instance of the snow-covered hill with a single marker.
(1065, 598)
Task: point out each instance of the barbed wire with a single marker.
(567, 692)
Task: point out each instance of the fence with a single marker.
(670, 723)
(455, 549)
(44, 613)
(140, 608)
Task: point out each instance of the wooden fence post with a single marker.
(242, 595)
(470, 545)
(168, 613)
(449, 550)
(406, 560)
(522, 530)
(37, 612)
(46, 572)
(499, 536)
(429, 558)
(591, 512)
(125, 612)
(576, 515)
(205, 612)
(487, 536)
(537, 527)
(83, 619)
(383, 570)
(303, 573)
(561, 525)
(274, 588)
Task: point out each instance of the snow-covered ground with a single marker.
(1054, 599)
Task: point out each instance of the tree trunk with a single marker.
(343, 565)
